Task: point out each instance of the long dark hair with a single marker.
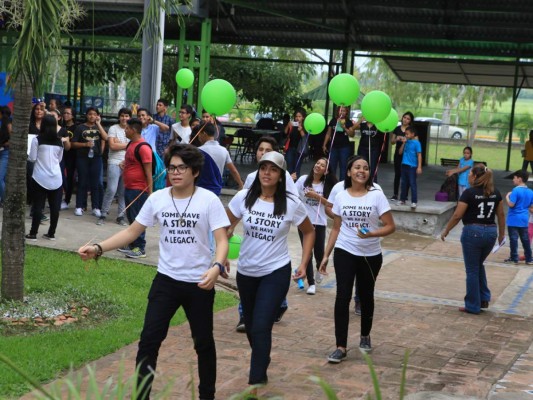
(483, 178)
(348, 179)
(280, 196)
(48, 132)
(328, 178)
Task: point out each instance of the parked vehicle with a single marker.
(454, 132)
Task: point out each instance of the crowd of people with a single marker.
(194, 226)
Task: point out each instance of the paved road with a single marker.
(452, 354)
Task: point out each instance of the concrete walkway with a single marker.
(420, 287)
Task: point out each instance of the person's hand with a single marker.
(325, 149)
(87, 252)
(299, 273)
(293, 176)
(227, 264)
(121, 165)
(443, 235)
(311, 194)
(419, 171)
(323, 266)
(98, 119)
(209, 278)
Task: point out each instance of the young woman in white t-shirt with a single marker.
(314, 190)
(267, 211)
(356, 236)
(186, 274)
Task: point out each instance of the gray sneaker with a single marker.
(125, 249)
(337, 356)
(318, 277)
(364, 344)
(100, 221)
(121, 221)
(136, 252)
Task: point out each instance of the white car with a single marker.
(454, 132)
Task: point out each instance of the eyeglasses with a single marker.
(172, 169)
(183, 112)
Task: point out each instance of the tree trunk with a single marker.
(479, 103)
(445, 127)
(13, 226)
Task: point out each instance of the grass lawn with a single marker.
(115, 292)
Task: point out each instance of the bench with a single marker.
(452, 162)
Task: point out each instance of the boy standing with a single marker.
(519, 200)
(411, 151)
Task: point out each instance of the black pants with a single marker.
(165, 297)
(40, 195)
(347, 268)
(397, 173)
(318, 251)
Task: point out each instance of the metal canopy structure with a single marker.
(462, 72)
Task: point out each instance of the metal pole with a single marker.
(69, 71)
(511, 123)
(152, 64)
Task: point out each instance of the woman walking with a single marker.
(356, 236)
(478, 208)
(314, 190)
(46, 153)
(267, 211)
(399, 132)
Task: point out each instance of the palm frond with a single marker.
(150, 23)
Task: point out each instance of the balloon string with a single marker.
(380, 154)
(199, 131)
(302, 153)
(331, 147)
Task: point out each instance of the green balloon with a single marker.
(389, 123)
(234, 247)
(343, 89)
(184, 78)
(376, 106)
(218, 97)
(314, 123)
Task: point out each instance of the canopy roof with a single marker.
(492, 28)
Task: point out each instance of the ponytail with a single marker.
(483, 178)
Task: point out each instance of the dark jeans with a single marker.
(40, 195)
(477, 242)
(292, 156)
(372, 158)
(318, 251)
(166, 296)
(89, 173)
(397, 173)
(133, 211)
(260, 298)
(70, 167)
(348, 267)
(515, 233)
(409, 180)
(4, 157)
(339, 156)
(526, 163)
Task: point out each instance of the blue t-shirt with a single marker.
(463, 176)
(410, 152)
(518, 216)
(150, 135)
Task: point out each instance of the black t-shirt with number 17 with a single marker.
(481, 209)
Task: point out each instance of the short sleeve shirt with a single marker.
(481, 209)
(117, 156)
(341, 138)
(518, 216)
(315, 211)
(184, 228)
(133, 173)
(83, 134)
(264, 247)
(410, 152)
(356, 213)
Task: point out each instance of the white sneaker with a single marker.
(78, 212)
(64, 205)
(413, 205)
(311, 290)
(97, 213)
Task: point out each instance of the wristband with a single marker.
(99, 251)
(220, 266)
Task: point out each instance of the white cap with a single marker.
(275, 158)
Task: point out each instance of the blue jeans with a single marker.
(89, 177)
(166, 296)
(292, 157)
(477, 242)
(133, 211)
(374, 157)
(339, 156)
(515, 233)
(4, 157)
(114, 186)
(409, 180)
(260, 298)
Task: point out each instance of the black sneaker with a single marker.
(358, 308)
(337, 356)
(280, 313)
(121, 221)
(484, 304)
(395, 197)
(510, 261)
(49, 237)
(364, 344)
(240, 326)
(31, 237)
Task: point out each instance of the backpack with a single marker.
(450, 187)
(159, 173)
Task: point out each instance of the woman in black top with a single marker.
(296, 135)
(399, 131)
(478, 207)
(370, 146)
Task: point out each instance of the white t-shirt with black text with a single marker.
(264, 247)
(184, 253)
(360, 212)
(339, 187)
(315, 211)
